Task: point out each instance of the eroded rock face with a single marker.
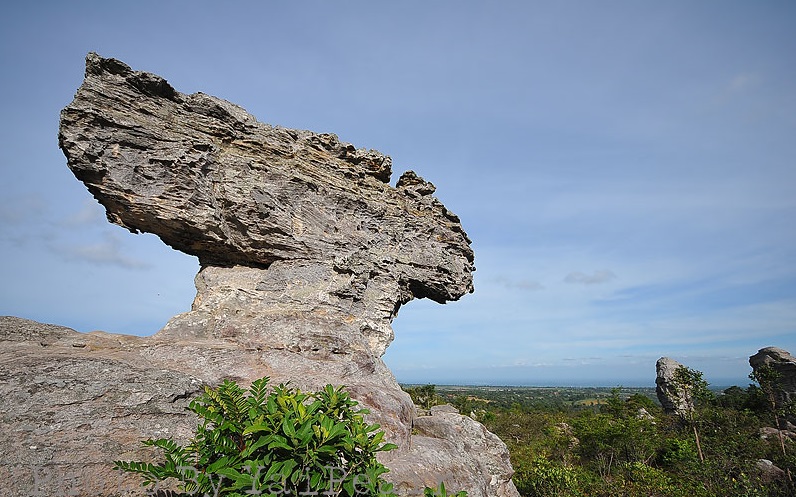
(671, 397)
(306, 254)
(212, 181)
(784, 364)
(768, 471)
(71, 403)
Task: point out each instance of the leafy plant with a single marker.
(261, 442)
(691, 390)
(676, 451)
(440, 491)
(544, 478)
(769, 380)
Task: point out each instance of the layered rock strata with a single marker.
(307, 253)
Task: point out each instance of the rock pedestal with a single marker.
(784, 364)
(307, 254)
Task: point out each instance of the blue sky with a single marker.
(626, 169)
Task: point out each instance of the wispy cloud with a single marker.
(742, 82)
(736, 87)
(90, 213)
(105, 252)
(518, 284)
(20, 209)
(596, 278)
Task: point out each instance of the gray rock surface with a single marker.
(784, 363)
(771, 433)
(212, 181)
(768, 471)
(307, 254)
(671, 397)
(455, 447)
(70, 403)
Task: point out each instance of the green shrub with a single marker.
(424, 396)
(677, 451)
(257, 442)
(543, 478)
(440, 491)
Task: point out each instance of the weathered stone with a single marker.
(307, 254)
(455, 448)
(784, 364)
(768, 471)
(443, 409)
(670, 395)
(771, 433)
(212, 181)
(71, 403)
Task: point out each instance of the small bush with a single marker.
(677, 451)
(424, 396)
(285, 441)
(543, 478)
(440, 491)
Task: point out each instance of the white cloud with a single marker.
(106, 252)
(598, 277)
(91, 213)
(521, 284)
(19, 209)
(742, 82)
(737, 87)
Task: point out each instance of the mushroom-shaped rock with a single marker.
(784, 365)
(316, 215)
(306, 253)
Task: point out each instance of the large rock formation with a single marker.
(307, 253)
(310, 224)
(671, 395)
(784, 364)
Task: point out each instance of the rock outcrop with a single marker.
(70, 403)
(771, 433)
(784, 364)
(768, 471)
(316, 216)
(307, 254)
(670, 395)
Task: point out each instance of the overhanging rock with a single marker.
(306, 255)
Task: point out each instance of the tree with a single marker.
(769, 378)
(690, 391)
(424, 396)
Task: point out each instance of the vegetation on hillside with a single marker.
(596, 442)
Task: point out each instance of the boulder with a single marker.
(307, 254)
(456, 448)
(316, 216)
(771, 433)
(768, 471)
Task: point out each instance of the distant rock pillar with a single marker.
(669, 394)
(784, 364)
